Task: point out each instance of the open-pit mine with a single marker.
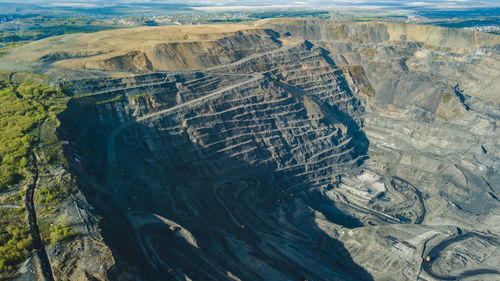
(285, 149)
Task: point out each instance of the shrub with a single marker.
(60, 233)
(21, 112)
(15, 246)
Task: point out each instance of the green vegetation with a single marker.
(118, 98)
(60, 233)
(291, 14)
(457, 14)
(22, 111)
(18, 196)
(53, 231)
(228, 20)
(40, 27)
(15, 246)
(15, 242)
(50, 196)
(46, 198)
(369, 91)
(356, 71)
(6, 47)
(28, 121)
(139, 96)
(446, 97)
(20, 77)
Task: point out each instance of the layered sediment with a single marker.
(325, 151)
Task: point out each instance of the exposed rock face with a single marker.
(182, 55)
(325, 151)
(262, 140)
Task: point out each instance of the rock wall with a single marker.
(349, 154)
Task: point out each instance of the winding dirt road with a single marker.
(435, 253)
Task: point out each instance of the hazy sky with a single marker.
(362, 4)
(274, 2)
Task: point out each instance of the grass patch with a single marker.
(115, 99)
(139, 96)
(51, 196)
(4, 50)
(446, 97)
(357, 71)
(369, 91)
(59, 233)
(53, 232)
(54, 29)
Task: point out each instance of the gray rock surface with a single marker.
(335, 151)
